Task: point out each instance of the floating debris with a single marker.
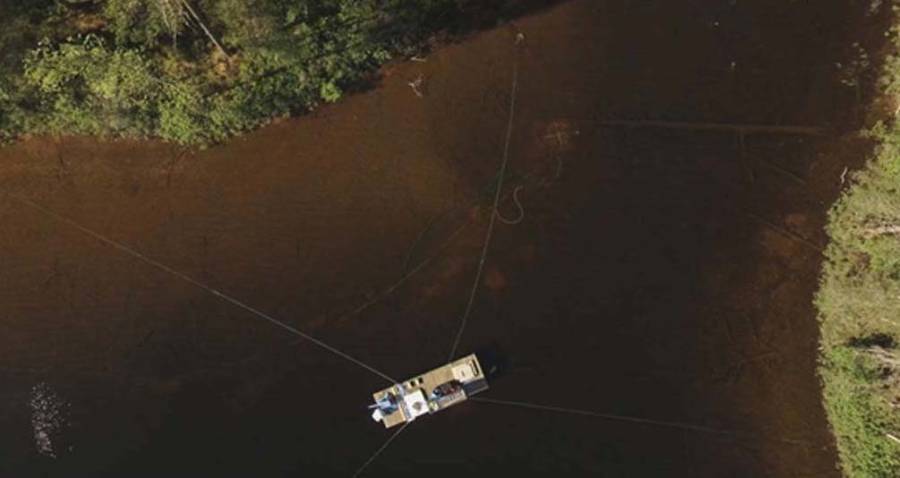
(558, 134)
(416, 85)
(48, 417)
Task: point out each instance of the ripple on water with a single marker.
(48, 418)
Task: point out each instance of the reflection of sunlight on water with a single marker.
(48, 412)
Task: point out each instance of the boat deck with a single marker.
(466, 370)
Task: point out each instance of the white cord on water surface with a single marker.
(624, 418)
(517, 220)
(191, 280)
(379, 450)
(490, 230)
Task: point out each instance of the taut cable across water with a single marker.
(492, 221)
(624, 418)
(379, 450)
(191, 280)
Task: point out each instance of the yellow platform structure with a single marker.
(429, 392)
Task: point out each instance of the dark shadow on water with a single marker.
(494, 361)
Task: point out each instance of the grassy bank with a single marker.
(193, 71)
(859, 305)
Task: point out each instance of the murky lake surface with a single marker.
(657, 273)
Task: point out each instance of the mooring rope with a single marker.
(418, 268)
(625, 418)
(518, 204)
(396, 285)
(490, 229)
(191, 280)
(439, 217)
(419, 238)
(379, 450)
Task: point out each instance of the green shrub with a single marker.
(154, 67)
(87, 88)
(860, 418)
(859, 298)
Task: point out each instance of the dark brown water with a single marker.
(652, 278)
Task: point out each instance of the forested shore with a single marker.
(859, 301)
(195, 71)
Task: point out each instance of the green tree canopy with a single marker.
(193, 71)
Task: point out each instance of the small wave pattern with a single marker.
(48, 418)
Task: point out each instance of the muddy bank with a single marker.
(651, 276)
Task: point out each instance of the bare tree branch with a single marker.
(203, 27)
(173, 18)
(888, 229)
(884, 356)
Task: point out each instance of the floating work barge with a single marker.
(429, 392)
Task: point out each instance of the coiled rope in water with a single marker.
(518, 205)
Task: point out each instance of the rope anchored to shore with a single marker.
(227, 298)
(494, 215)
(379, 450)
(625, 418)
